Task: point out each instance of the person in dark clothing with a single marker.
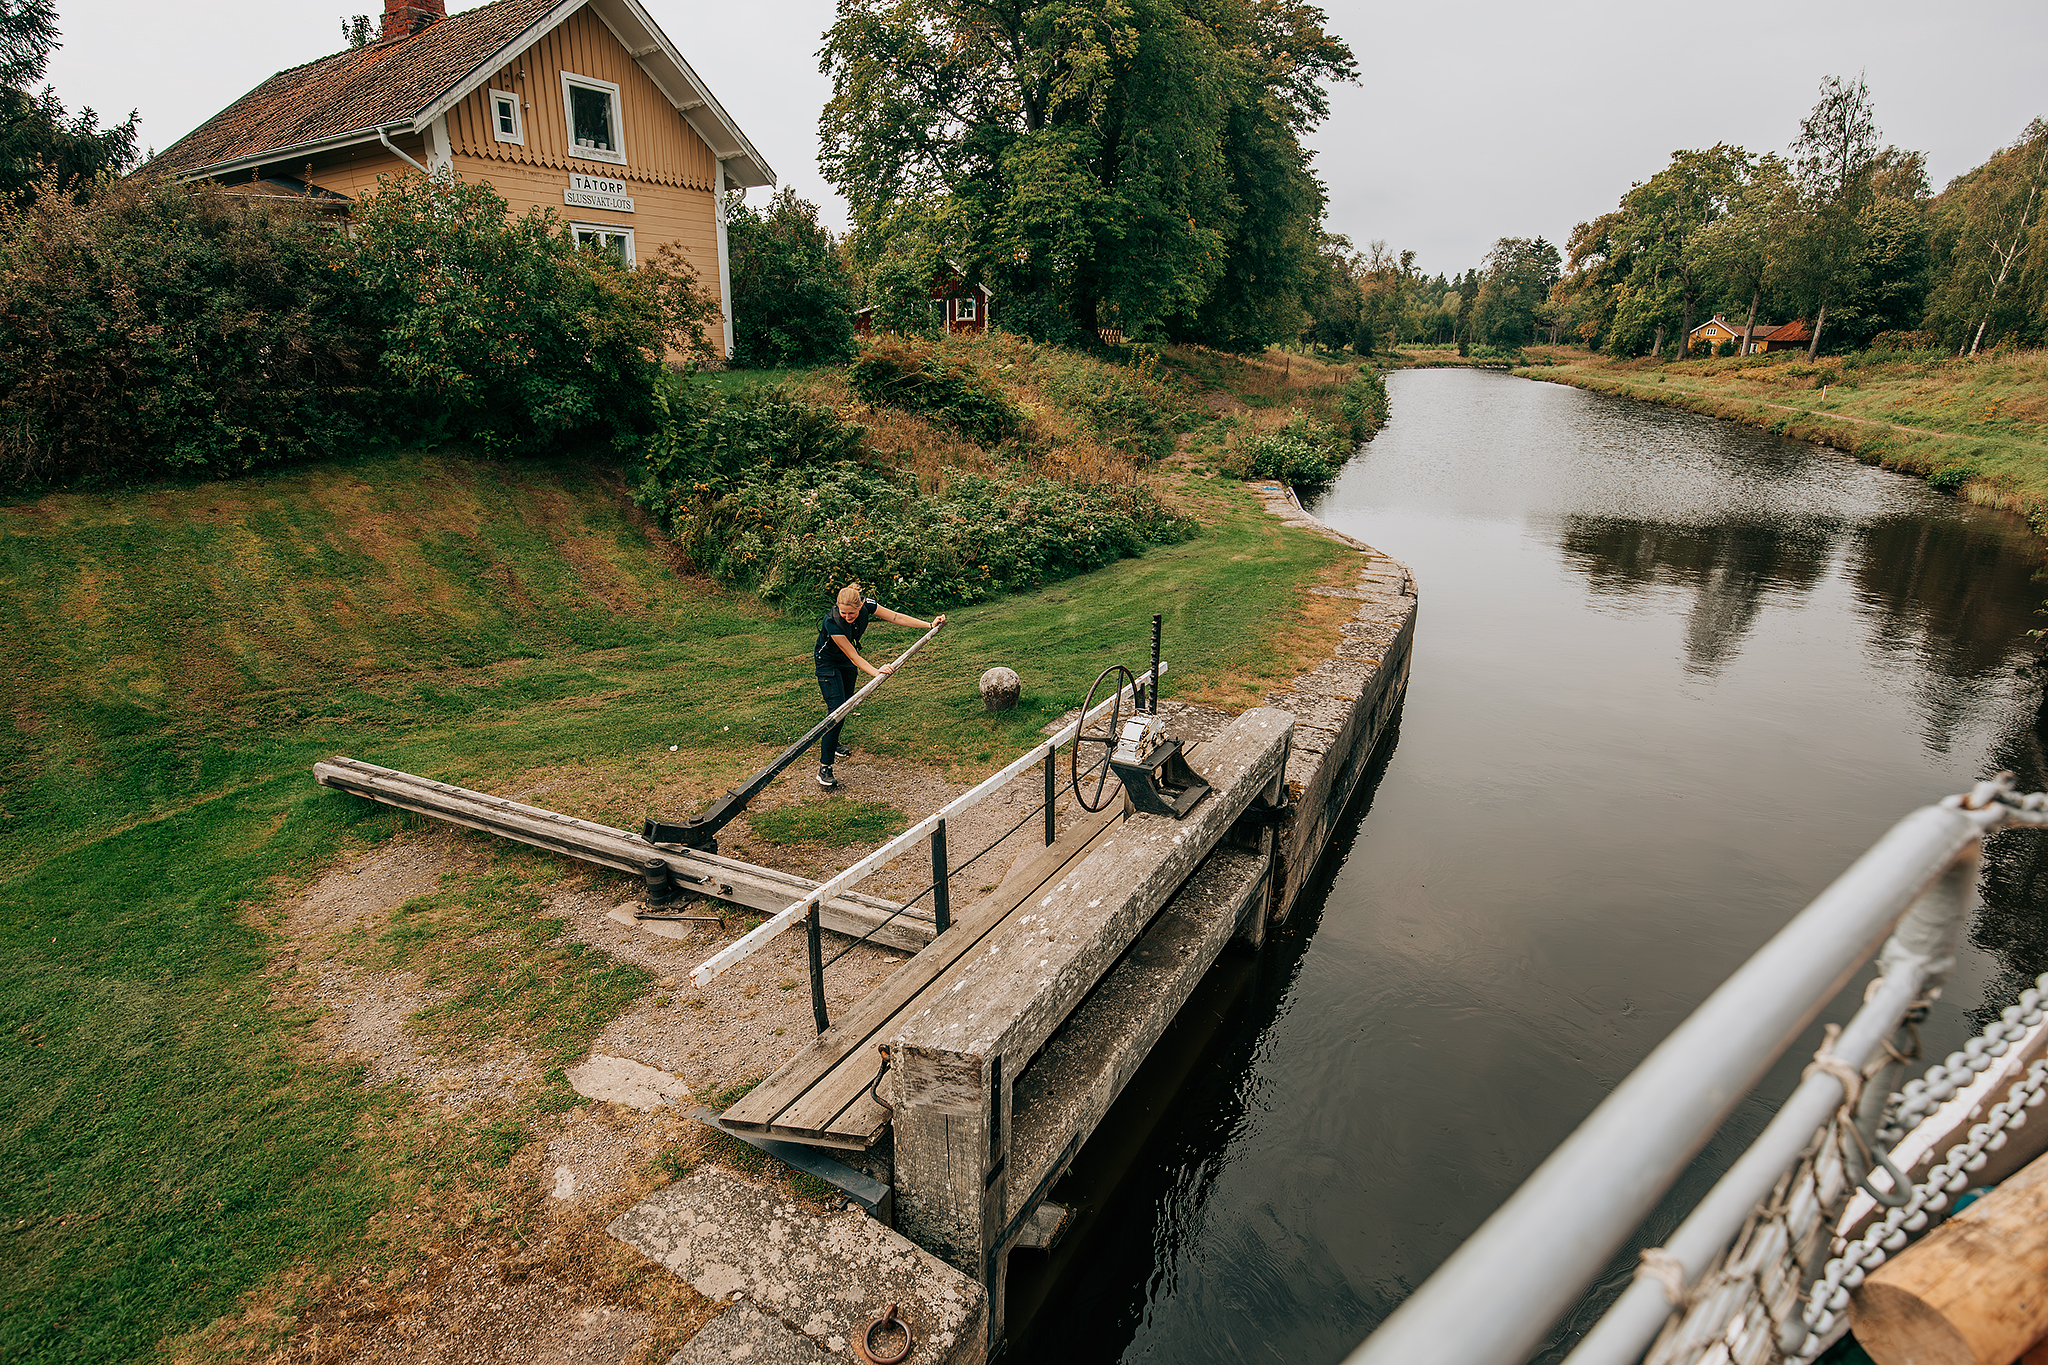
(839, 663)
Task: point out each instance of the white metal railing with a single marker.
(740, 948)
(1498, 1296)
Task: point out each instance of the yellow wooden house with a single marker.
(1712, 333)
(584, 106)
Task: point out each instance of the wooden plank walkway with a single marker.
(823, 1095)
(728, 879)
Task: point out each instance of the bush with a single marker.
(708, 438)
(157, 328)
(1127, 406)
(935, 381)
(792, 303)
(1305, 451)
(794, 519)
(1364, 404)
(165, 328)
(500, 331)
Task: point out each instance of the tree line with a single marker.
(1844, 234)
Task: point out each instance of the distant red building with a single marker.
(960, 306)
(1793, 335)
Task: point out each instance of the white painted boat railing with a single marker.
(1497, 1298)
(740, 948)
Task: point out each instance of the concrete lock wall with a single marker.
(1343, 707)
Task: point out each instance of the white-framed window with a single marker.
(506, 123)
(591, 107)
(966, 313)
(616, 242)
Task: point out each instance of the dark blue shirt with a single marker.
(829, 655)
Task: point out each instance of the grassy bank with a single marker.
(175, 659)
(1977, 426)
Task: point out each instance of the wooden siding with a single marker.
(661, 213)
(354, 170)
(661, 148)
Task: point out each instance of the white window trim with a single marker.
(518, 134)
(966, 310)
(613, 228)
(569, 80)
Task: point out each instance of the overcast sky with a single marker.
(1471, 121)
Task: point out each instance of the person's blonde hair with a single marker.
(850, 597)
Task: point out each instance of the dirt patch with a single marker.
(1223, 404)
(363, 1013)
(511, 1262)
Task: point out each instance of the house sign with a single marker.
(596, 192)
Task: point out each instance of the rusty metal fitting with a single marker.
(864, 1344)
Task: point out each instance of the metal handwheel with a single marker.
(1098, 772)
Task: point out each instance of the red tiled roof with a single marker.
(359, 90)
(1791, 331)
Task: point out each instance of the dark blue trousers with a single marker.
(837, 684)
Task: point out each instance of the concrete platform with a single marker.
(823, 1277)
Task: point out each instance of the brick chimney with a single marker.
(402, 18)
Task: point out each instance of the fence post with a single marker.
(1051, 750)
(817, 970)
(942, 903)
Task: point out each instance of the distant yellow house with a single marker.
(1713, 332)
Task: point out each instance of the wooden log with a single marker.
(1973, 1292)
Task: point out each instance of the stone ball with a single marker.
(1000, 688)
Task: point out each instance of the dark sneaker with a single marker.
(840, 752)
(825, 778)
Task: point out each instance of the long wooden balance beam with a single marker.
(706, 874)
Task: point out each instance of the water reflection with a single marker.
(1728, 568)
(1671, 676)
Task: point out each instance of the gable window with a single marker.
(614, 242)
(966, 313)
(506, 125)
(592, 108)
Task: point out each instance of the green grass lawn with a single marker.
(175, 658)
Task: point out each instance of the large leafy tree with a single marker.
(1513, 292)
(1744, 251)
(1836, 155)
(40, 142)
(1126, 163)
(792, 302)
(1993, 276)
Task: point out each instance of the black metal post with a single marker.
(942, 903)
(1049, 754)
(817, 971)
(1153, 709)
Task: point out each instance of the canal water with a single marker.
(1671, 675)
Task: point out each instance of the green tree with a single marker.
(1333, 297)
(41, 144)
(792, 303)
(1584, 298)
(1992, 275)
(1514, 291)
(1835, 155)
(499, 330)
(1663, 226)
(1744, 251)
(1126, 163)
